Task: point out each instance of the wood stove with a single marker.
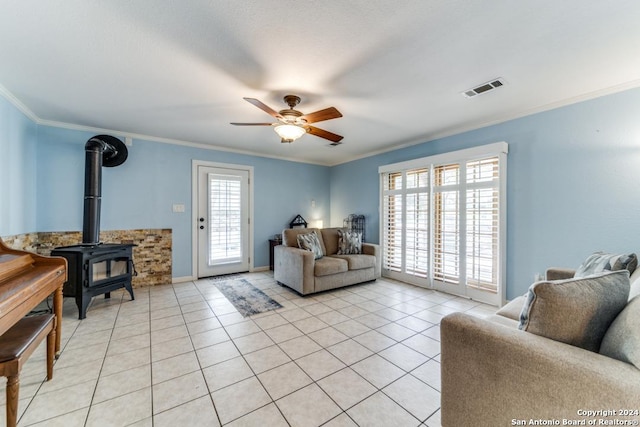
(97, 268)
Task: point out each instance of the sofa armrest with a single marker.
(374, 249)
(492, 374)
(556, 273)
(294, 267)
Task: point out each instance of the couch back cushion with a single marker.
(576, 311)
(290, 237)
(622, 340)
(330, 237)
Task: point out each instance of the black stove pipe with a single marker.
(101, 150)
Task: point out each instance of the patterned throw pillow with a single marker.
(349, 242)
(600, 261)
(575, 311)
(310, 242)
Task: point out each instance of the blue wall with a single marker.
(140, 193)
(18, 138)
(572, 186)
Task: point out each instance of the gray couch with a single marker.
(297, 268)
(494, 374)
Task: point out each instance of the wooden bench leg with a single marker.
(13, 389)
(57, 309)
(51, 350)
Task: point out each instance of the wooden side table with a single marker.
(272, 244)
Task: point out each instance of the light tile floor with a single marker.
(181, 355)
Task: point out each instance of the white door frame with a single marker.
(195, 164)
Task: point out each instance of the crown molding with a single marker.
(18, 104)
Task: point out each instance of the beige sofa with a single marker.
(494, 374)
(297, 268)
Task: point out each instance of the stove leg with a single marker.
(129, 289)
(82, 301)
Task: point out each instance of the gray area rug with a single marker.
(245, 297)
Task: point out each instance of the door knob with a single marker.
(201, 219)
(202, 227)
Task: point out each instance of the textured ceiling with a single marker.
(177, 70)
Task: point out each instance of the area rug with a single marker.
(245, 297)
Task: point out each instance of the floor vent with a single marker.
(484, 88)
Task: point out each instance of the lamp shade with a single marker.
(290, 133)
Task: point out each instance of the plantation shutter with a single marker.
(406, 224)
(393, 234)
(482, 223)
(225, 218)
(417, 223)
(446, 239)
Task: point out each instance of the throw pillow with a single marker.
(600, 261)
(575, 311)
(349, 242)
(310, 242)
(622, 340)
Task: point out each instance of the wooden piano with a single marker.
(27, 279)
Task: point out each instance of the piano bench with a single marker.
(16, 345)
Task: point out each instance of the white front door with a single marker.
(222, 220)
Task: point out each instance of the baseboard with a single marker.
(183, 279)
(263, 268)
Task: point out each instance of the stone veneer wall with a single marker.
(152, 255)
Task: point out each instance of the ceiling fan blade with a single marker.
(323, 133)
(251, 124)
(319, 116)
(264, 107)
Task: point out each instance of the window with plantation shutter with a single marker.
(393, 202)
(443, 222)
(482, 219)
(225, 216)
(406, 226)
(446, 233)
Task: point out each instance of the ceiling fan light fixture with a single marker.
(289, 133)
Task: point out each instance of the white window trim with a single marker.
(495, 149)
(451, 157)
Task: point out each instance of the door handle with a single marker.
(202, 227)
(201, 219)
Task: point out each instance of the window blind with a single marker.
(482, 223)
(225, 216)
(446, 239)
(406, 223)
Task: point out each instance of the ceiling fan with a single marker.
(292, 124)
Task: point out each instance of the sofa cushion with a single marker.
(358, 262)
(600, 261)
(349, 242)
(575, 311)
(310, 242)
(622, 340)
(329, 265)
(513, 309)
(330, 237)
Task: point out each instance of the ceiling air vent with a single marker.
(484, 88)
